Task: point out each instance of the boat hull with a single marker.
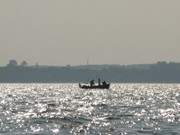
(107, 86)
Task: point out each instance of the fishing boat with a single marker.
(107, 86)
(92, 85)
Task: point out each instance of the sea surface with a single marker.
(64, 109)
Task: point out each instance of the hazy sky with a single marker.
(60, 32)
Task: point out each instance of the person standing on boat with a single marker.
(91, 83)
(104, 83)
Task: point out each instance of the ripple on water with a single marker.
(66, 109)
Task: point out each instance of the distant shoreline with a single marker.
(161, 72)
(88, 82)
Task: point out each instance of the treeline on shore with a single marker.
(161, 72)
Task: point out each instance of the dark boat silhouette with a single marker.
(92, 85)
(106, 86)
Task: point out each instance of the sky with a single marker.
(61, 32)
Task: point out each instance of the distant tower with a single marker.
(87, 62)
(24, 63)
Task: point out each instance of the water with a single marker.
(63, 109)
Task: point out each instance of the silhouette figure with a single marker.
(104, 83)
(91, 83)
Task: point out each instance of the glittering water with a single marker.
(125, 109)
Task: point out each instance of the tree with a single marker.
(12, 63)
